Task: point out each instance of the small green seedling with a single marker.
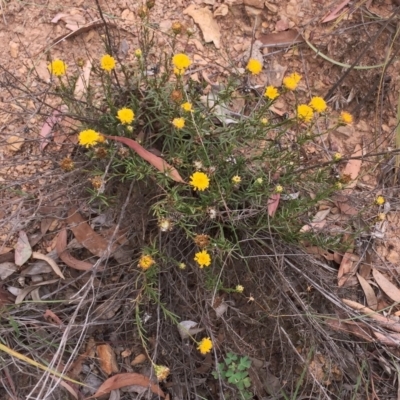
(235, 370)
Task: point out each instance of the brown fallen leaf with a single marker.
(76, 367)
(387, 322)
(334, 14)
(50, 314)
(85, 235)
(154, 160)
(208, 25)
(387, 287)
(370, 296)
(23, 250)
(141, 358)
(127, 379)
(352, 169)
(346, 271)
(66, 258)
(281, 39)
(108, 360)
(14, 143)
(320, 251)
(50, 261)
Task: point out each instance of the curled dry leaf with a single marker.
(47, 128)
(108, 360)
(390, 290)
(82, 83)
(281, 39)
(187, 328)
(273, 203)
(127, 379)
(6, 269)
(23, 250)
(154, 160)
(352, 168)
(50, 261)
(25, 291)
(72, 262)
(370, 296)
(208, 25)
(346, 271)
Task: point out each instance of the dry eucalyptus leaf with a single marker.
(23, 250)
(25, 291)
(82, 83)
(370, 296)
(208, 25)
(388, 287)
(50, 261)
(6, 269)
(187, 328)
(14, 143)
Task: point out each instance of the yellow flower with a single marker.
(380, 200)
(278, 189)
(318, 104)
(338, 185)
(346, 118)
(271, 92)
(236, 179)
(187, 106)
(337, 156)
(146, 261)
(254, 66)
(178, 72)
(199, 181)
(57, 67)
(181, 62)
(290, 82)
(264, 121)
(381, 217)
(205, 345)
(107, 62)
(161, 371)
(259, 181)
(182, 265)
(202, 258)
(178, 123)
(88, 138)
(126, 116)
(239, 288)
(177, 27)
(304, 112)
(138, 53)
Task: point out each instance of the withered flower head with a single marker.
(202, 240)
(67, 164)
(176, 96)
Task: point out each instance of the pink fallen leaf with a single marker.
(334, 14)
(47, 128)
(154, 160)
(23, 249)
(273, 203)
(126, 379)
(352, 168)
(391, 290)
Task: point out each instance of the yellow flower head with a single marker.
(254, 66)
(337, 156)
(187, 106)
(259, 181)
(202, 258)
(290, 82)
(271, 92)
(239, 288)
(178, 123)
(381, 217)
(199, 181)
(318, 104)
(146, 261)
(162, 372)
(236, 179)
(205, 345)
(138, 53)
(305, 112)
(181, 61)
(346, 118)
(338, 185)
(88, 138)
(380, 200)
(179, 72)
(107, 62)
(264, 121)
(182, 265)
(57, 67)
(126, 116)
(278, 189)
